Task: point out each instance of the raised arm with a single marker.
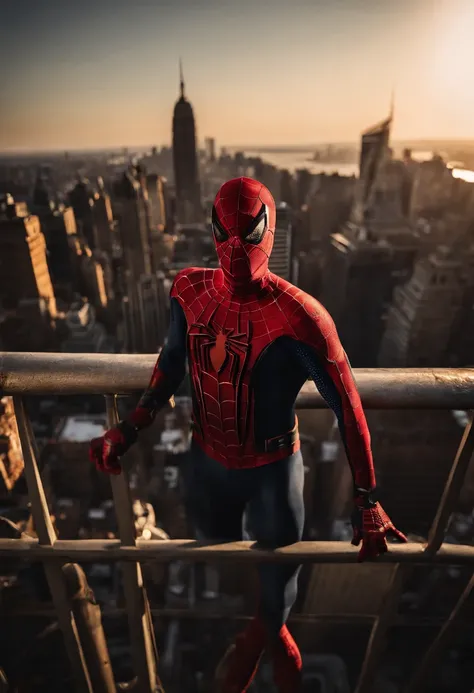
(167, 376)
(325, 361)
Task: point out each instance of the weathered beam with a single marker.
(110, 550)
(464, 458)
(39, 374)
(142, 638)
(88, 617)
(46, 539)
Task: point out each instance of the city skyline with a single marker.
(105, 74)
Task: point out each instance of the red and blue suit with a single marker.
(250, 340)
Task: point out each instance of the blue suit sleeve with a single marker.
(168, 373)
(172, 360)
(314, 367)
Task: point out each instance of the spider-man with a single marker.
(251, 340)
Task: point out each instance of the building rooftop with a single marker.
(81, 428)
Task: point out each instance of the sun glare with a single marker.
(452, 66)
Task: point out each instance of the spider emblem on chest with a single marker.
(216, 348)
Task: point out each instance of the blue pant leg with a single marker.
(276, 518)
(214, 503)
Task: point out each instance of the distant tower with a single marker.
(188, 194)
(210, 146)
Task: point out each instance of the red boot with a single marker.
(238, 667)
(287, 663)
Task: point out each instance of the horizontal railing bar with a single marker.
(199, 613)
(190, 614)
(380, 388)
(105, 550)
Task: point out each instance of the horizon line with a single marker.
(252, 147)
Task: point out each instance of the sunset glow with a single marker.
(105, 73)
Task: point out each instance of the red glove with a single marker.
(371, 525)
(105, 452)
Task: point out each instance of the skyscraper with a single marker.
(375, 251)
(423, 312)
(156, 200)
(287, 192)
(27, 299)
(24, 273)
(188, 193)
(131, 203)
(356, 289)
(281, 259)
(58, 225)
(374, 150)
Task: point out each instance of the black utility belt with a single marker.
(287, 440)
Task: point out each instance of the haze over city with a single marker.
(105, 73)
(274, 246)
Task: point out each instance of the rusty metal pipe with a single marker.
(380, 388)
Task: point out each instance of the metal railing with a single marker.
(64, 374)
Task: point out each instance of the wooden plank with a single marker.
(421, 678)
(142, 637)
(464, 457)
(110, 550)
(47, 538)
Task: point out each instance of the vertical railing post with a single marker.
(453, 488)
(142, 637)
(89, 625)
(422, 677)
(47, 536)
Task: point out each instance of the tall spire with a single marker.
(392, 104)
(181, 78)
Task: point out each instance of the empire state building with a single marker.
(188, 193)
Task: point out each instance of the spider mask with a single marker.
(243, 224)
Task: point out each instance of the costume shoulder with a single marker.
(309, 318)
(191, 282)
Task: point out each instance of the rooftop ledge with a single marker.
(40, 374)
(380, 388)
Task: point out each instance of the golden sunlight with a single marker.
(452, 66)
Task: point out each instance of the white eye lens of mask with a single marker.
(258, 231)
(220, 235)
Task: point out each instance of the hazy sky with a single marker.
(92, 73)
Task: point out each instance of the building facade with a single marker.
(424, 310)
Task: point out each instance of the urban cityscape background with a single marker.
(379, 228)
